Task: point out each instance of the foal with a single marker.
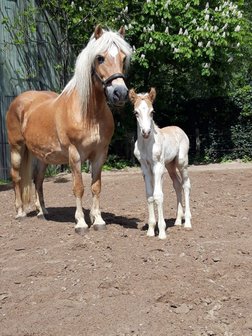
(157, 149)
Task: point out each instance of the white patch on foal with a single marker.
(143, 117)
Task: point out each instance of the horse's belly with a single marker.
(50, 153)
(42, 141)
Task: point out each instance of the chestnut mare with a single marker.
(157, 149)
(72, 127)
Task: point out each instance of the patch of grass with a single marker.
(4, 182)
(114, 162)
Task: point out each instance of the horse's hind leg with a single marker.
(38, 178)
(16, 156)
(171, 167)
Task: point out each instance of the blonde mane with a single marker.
(82, 78)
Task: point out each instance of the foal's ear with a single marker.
(132, 96)
(152, 94)
(98, 31)
(121, 31)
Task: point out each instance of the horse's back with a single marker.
(18, 109)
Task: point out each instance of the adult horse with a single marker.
(72, 127)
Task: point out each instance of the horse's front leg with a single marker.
(78, 189)
(158, 171)
(95, 213)
(148, 179)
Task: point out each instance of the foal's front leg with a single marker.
(78, 189)
(95, 213)
(158, 171)
(148, 179)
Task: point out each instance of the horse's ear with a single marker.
(132, 96)
(98, 31)
(152, 94)
(121, 31)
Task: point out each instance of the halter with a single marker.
(107, 81)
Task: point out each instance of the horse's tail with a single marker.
(26, 175)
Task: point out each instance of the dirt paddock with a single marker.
(119, 282)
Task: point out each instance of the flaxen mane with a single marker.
(82, 77)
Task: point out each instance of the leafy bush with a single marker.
(231, 144)
(241, 136)
(243, 100)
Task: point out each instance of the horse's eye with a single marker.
(152, 112)
(100, 59)
(136, 113)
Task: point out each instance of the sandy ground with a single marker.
(119, 282)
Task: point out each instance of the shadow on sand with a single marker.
(66, 215)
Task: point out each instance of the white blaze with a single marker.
(144, 118)
(113, 50)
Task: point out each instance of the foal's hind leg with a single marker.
(16, 156)
(39, 174)
(186, 187)
(171, 167)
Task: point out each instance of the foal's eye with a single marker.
(100, 59)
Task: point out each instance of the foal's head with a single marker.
(143, 110)
(109, 64)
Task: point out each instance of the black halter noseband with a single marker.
(107, 81)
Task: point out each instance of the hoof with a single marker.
(188, 228)
(81, 230)
(20, 217)
(150, 234)
(162, 237)
(41, 216)
(99, 227)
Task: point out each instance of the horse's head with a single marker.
(109, 64)
(143, 110)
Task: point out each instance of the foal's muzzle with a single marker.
(146, 134)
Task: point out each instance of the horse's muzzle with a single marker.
(117, 95)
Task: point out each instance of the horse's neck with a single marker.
(96, 108)
(97, 103)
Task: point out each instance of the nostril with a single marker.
(117, 93)
(146, 134)
(121, 93)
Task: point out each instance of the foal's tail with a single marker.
(26, 175)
